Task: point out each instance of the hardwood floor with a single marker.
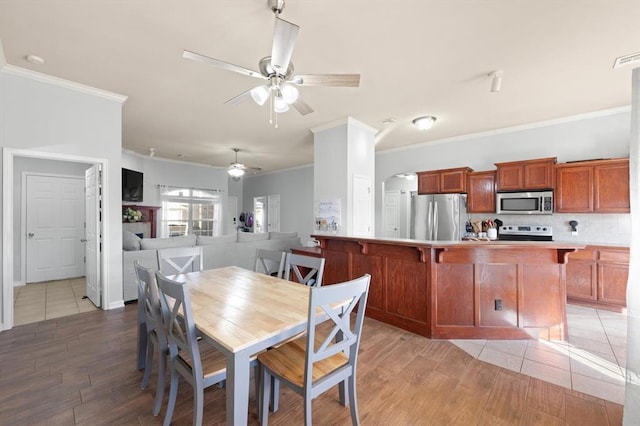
(81, 370)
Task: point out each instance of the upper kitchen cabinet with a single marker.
(600, 186)
(523, 175)
(446, 181)
(481, 188)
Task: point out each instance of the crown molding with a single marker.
(60, 82)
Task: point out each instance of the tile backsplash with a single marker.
(593, 228)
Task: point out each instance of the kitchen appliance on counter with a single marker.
(530, 202)
(525, 233)
(438, 217)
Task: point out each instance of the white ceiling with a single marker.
(415, 57)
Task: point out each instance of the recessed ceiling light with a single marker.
(34, 59)
(424, 123)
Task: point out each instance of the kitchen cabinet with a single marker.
(481, 187)
(597, 276)
(525, 175)
(600, 186)
(445, 181)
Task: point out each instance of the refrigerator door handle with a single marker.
(430, 221)
(435, 220)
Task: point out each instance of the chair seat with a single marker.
(213, 361)
(288, 361)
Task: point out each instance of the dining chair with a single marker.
(155, 339)
(325, 356)
(179, 260)
(306, 270)
(200, 364)
(270, 262)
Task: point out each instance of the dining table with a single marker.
(241, 313)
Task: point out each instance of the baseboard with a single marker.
(115, 305)
(19, 284)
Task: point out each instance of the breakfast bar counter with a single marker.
(457, 289)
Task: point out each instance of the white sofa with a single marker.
(227, 250)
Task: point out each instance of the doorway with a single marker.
(14, 230)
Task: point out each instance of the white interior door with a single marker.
(259, 214)
(392, 215)
(55, 221)
(232, 215)
(93, 233)
(362, 202)
(273, 213)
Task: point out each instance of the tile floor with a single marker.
(592, 361)
(50, 299)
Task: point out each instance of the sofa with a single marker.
(227, 250)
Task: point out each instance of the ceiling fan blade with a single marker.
(240, 98)
(338, 80)
(256, 169)
(302, 107)
(284, 39)
(221, 64)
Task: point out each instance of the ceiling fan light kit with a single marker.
(235, 172)
(277, 70)
(424, 123)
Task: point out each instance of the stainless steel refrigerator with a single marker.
(438, 217)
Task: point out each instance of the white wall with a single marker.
(295, 187)
(601, 135)
(158, 172)
(34, 165)
(43, 114)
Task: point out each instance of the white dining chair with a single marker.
(200, 364)
(307, 270)
(325, 356)
(180, 260)
(270, 262)
(155, 337)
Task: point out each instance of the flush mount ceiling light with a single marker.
(496, 80)
(407, 176)
(34, 59)
(424, 123)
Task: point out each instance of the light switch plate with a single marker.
(574, 233)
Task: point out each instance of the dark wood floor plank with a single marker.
(82, 370)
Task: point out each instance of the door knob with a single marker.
(31, 234)
(83, 240)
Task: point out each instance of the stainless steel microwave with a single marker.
(531, 202)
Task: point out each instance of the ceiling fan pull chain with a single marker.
(270, 106)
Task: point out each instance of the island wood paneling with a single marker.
(449, 289)
(497, 282)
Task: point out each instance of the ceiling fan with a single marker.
(277, 69)
(236, 169)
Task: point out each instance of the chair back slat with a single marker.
(178, 321)
(343, 336)
(270, 262)
(298, 264)
(149, 300)
(180, 260)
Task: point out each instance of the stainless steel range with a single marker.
(525, 233)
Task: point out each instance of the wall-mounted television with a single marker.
(131, 185)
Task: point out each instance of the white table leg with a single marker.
(237, 389)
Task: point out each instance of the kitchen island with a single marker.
(457, 289)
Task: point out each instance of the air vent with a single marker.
(622, 61)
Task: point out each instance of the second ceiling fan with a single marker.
(277, 71)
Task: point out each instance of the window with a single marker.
(191, 211)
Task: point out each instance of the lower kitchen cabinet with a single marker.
(597, 276)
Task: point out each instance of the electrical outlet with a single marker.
(574, 233)
(498, 304)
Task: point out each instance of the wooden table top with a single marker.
(239, 308)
